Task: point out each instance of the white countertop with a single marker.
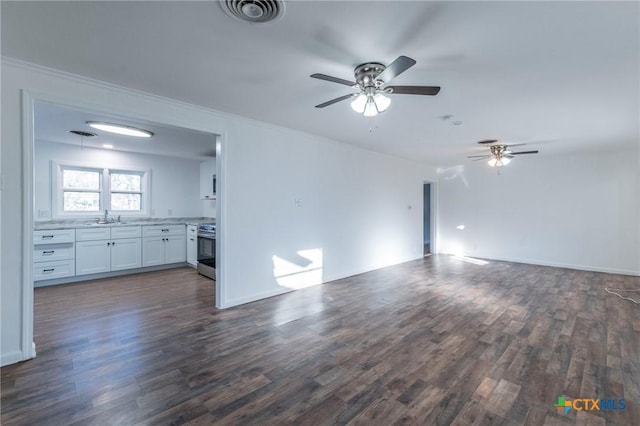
(92, 223)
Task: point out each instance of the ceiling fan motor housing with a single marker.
(366, 74)
(498, 150)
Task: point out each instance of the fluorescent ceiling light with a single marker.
(107, 145)
(120, 129)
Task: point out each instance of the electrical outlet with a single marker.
(298, 202)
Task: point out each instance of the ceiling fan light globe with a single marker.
(505, 161)
(382, 102)
(359, 103)
(492, 162)
(370, 108)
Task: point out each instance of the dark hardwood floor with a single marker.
(435, 341)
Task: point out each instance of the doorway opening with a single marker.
(49, 134)
(426, 220)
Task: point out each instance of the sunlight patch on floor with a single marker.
(299, 271)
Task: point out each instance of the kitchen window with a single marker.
(85, 190)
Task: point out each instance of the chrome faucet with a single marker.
(106, 218)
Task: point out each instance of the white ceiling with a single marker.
(564, 74)
(52, 123)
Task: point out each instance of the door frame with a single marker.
(433, 220)
(29, 100)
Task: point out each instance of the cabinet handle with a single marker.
(108, 244)
(47, 237)
(113, 243)
(165, 230)
(191, 239)
(49, 270)
(48, 252)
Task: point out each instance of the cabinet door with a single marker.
(207, 170)
(93, 257)
(126, 254)
(176, 249)
(192, 249)
(153, 251)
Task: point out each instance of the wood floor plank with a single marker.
(432, 341)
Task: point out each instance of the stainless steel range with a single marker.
(207, 250)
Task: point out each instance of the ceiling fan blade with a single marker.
(515, 144)
(413, 90)
(509, 155)
(396, 68)
(524, 152)
(332, 79)
(479, 156)
(488, 141)
(480, 159)
(333, 101)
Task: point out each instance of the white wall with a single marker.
(354, 202)
(355, 208)
(174, 183)
(580, 211)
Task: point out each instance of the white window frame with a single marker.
(57, 191)
(142, 192)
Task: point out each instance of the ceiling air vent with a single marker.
(83, 134)
(254, 11)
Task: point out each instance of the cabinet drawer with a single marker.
(92, 234)
(192, 230)
(52, 252)
(54, 236)
(55, 269)
(125, 232)
(163, 230)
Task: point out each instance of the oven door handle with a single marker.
(207, 237)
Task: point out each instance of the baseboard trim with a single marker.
(558, 265)
(253, 298)
(89, 277)
(11, 358)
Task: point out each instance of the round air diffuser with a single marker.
(254, 11)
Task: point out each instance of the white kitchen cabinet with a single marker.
(163, 244)
(54, 269)
(192, 245)
(162, 230)
(54, 236)
(207, 173)
(93, 257)
(126, 253)
(153, 251)
(53, 254)
(176, 250)
(105, 255)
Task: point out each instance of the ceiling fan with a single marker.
(500, 154)
(371, 85)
